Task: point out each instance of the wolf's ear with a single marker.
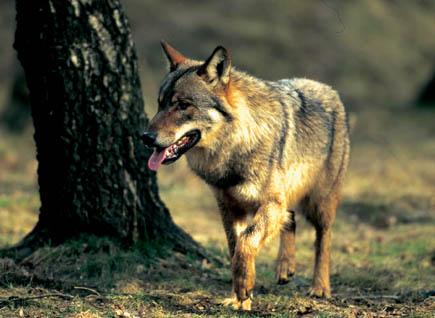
(174, 57)
(217, 67)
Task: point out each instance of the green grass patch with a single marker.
(396, 261)
(18, 215)
(19, 201)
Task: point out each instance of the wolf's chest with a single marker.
(220, 178)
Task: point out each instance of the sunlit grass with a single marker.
(18, 215)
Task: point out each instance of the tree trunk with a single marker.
(87, 109)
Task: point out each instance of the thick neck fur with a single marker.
(253, 104)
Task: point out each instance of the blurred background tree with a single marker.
(427, 96)
(15, 115)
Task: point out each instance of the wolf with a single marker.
(264, 148)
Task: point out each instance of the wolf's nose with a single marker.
(149, 138)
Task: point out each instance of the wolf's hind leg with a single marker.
(285, 262)
(321, 285)
(321, 213)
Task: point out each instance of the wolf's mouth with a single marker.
(167, 155)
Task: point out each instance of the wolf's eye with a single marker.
(181, 105)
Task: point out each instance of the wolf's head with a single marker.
(191, 105)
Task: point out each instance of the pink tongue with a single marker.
(156, 159)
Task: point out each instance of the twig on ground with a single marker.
(370, 297)
(88, 289)
(12, 299)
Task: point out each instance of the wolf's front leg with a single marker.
(233, 226)
(265, 225)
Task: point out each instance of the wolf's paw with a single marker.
(320, 292)
(237, 304)
(284, 271)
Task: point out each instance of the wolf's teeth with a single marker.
(181, 141)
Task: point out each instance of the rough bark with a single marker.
(88, 112)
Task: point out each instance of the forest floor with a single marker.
(383, 249)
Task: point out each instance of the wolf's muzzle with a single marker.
(149, 139)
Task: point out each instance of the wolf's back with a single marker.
(319, 117)
(318, 92)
